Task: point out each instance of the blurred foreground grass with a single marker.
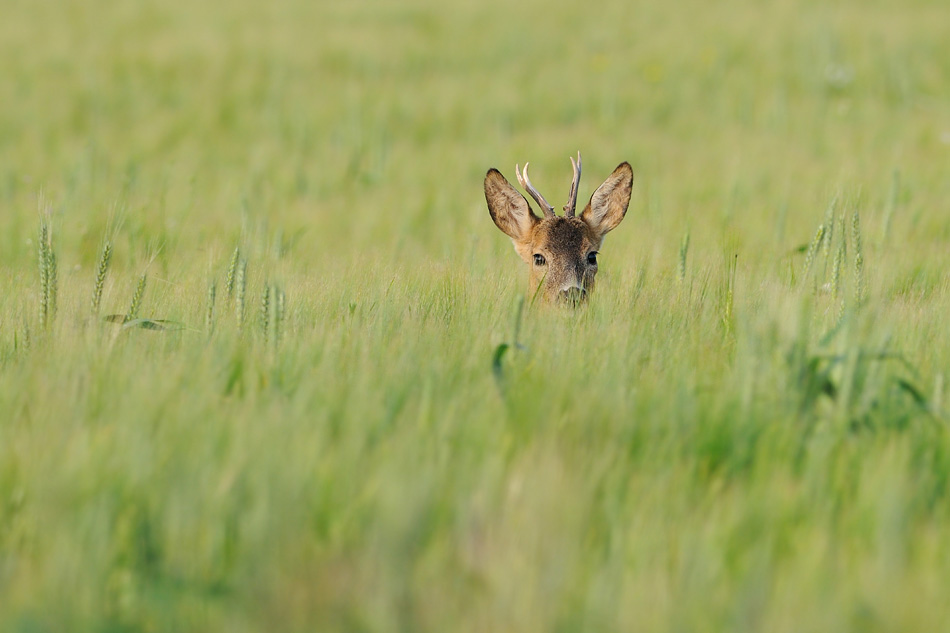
(741, 432)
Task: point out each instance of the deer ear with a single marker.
(508, 208)
(609, 203)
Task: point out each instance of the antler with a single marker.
(572, 200)
(523, 179)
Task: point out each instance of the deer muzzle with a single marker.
(572, 296)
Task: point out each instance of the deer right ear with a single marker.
(508, 208)
(609, 203)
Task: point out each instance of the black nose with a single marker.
(573, 296)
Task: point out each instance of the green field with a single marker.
(745, 429)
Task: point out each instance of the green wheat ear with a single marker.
(133, 312)
(279, 305)
(272, 312)
(830, 214)
(859, 290)
(232, 267)
(684, 249)
(53, 287)
(266, 304)
(240, 288)
(209, 310)
(101, 269)
(47, 267)
(44, 274)
(836, 281)
(813, 249)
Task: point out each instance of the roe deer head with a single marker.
(561, 250)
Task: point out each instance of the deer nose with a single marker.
(573, 296)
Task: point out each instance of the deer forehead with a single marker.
(563, 236)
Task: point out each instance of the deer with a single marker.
(561, 251)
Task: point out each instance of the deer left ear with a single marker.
(507, 207)
(609, 203)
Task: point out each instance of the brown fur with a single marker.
(564, 242)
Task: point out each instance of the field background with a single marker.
(745, 429)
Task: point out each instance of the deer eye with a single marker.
(539, 259)
(592, 258)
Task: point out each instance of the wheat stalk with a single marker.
(891, 206)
